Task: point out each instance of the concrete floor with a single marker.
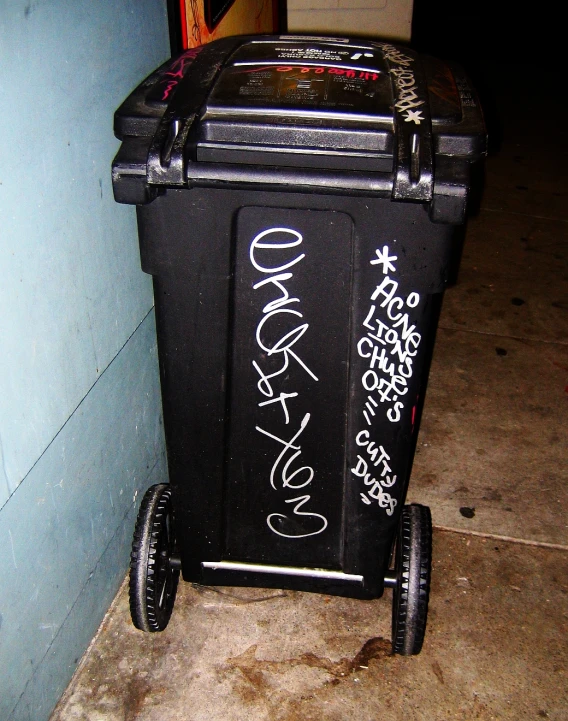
(491, 464)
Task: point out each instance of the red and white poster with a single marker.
(206, 20)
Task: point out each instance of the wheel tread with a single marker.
(143, 590)
(410, 614)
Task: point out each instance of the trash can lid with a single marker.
(338, 114)
(292, 103)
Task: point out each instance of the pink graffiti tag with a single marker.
(177, 70)
(414, 409)
(317, 70)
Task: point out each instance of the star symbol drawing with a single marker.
(384, 258)
(413, 115)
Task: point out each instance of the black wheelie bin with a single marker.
(297, 202)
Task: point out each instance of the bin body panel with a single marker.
(371, 279)
(288, 386)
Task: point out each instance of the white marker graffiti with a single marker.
(390, 346)
(377, 457)
(405, 81)
(413, 116)
(282, 474)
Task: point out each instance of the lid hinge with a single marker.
(165, 157)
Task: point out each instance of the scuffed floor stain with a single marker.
(317, 653)
(135, 695)
(253, 669)
(224, 597)
(438, 672)
(301, 696)
(376, 647)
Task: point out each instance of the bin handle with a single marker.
(413, 174)
(166, 154)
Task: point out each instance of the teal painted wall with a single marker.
(80, 429)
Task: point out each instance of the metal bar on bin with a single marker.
(282, 570)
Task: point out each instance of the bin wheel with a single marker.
(413, 561)
(153, 580)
